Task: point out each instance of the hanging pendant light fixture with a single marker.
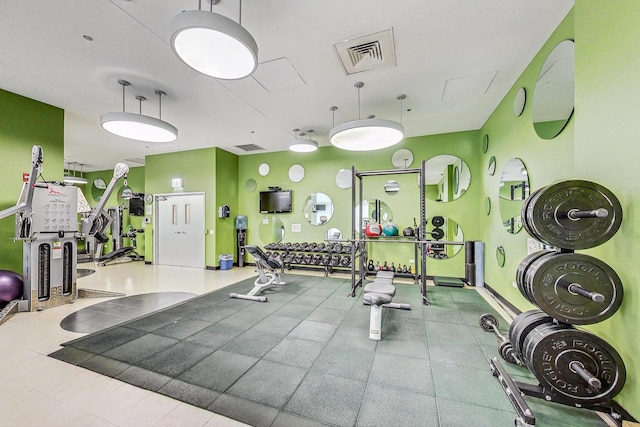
(213, 44)
(138, 126)
(70, 178)
(303, 145)
(365, 134)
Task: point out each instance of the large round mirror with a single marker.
(373, 211)
(402, 158)
(442, 229)
(318, 209)
(447, 178)
(333, 234)
(343, 178)
(97, 189)
(554, 92)
(271, 229)
(514, 189)
(296, 173)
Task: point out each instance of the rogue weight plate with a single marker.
(523, 212)
(552, 353)
(505, 349)
(523, 324)
(555, 282)
(488, 319)
(549, 214)
(437, 233)
(437, 221)
(522, 270)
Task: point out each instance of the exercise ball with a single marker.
(373, 229)
(390, 229)
(10, 286)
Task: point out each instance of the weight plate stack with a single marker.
(574, 364)
(555, 215)
(573, 288)
(522, 270)
(523, 324)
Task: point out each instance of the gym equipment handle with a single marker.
(579, 369)
(575, 214)
(576, 289)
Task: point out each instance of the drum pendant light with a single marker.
(138, 126)
(303, 145)
(366, 134)
(213, 44)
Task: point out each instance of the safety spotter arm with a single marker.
(98, 220)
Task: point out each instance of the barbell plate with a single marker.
(523, 212)
(521, 272)
(437, 221)
(547, 215)
(523, 324)
(488, 319)
(547, 279)
(437, 233)
(549, 350)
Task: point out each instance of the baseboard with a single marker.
(502, 300)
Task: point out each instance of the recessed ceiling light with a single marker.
(87, 37)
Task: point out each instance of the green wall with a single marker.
(226, 194)
(23, 124)
(598, 144)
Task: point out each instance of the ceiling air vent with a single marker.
(249, 147)
(138, 160)
(366, 53)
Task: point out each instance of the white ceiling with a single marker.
(461, 45)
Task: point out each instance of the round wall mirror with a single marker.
(402, 158)
(514, 189)
(440, 178)
(333, 234)
(250, 185)
(446, 230)
(264, 169)
(485, 143)
(343, 179)
(271, 229)
(391, 187)
(553, 97)
(373, 211)
(296, 173)
(519, 101)
(125, 193)
(487, 205)
(97, 189)
(500, 256)
(318, 209)
(492, 166)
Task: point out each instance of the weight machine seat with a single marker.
(375, 298)
(258, 253)
(113, 255)
(377, 287)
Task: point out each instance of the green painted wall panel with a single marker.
(226, 194)
(23, 124)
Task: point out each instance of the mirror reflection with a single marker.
(500, 256)
(343, 178)
(447, 178)
(514, 189)
(492, 166)
(318, 209)
(391, 187)
(443, 229)
(333, 234)
(250, 185)
(271, 229)
(373, 211)
(553, 96)
(97, 189)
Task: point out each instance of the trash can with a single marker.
(226, 261)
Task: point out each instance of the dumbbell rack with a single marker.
(574, 367)
(330, 257)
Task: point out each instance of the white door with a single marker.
(179, 230)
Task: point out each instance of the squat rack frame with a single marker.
(358, 239)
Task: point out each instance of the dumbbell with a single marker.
(326, 259)
(345, 261)
(489, 323)
(308, 259)
(335, 260)
(317, 259)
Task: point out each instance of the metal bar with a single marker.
(423, 220)
(513, 393)
(388, 172)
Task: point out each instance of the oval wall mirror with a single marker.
(492, 166)
(250, 185)
(264, 169)
(519, 101)
(514, 189)
(125, 193)
(402, 158)
(97, 189)
(446, 230)
(343, 179)
(487, 205)
(391, 187)
(318, 209)
(296, 173)
(500, 256)
(553, 97)
(271, 229)
(333, 234)
(485, 143)
(442, 174)
(373, 211)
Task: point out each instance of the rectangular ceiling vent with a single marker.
(249, 147)
(366, 53)
(135, 160)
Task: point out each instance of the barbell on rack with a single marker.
(490, 323)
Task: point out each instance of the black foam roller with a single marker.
(469, 251)
(470, 273)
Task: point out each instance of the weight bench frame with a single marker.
(265, 280)
(379, 298)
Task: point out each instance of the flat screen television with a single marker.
(275, 201)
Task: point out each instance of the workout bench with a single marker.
(264, 280)
(378, 294)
